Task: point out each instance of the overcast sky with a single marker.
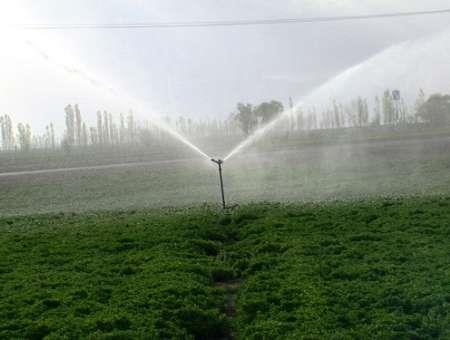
(204, 72)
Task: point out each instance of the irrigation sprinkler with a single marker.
(219, 163)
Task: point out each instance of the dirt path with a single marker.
(93, 167)
(231, 289)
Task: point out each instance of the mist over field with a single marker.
(224, 170)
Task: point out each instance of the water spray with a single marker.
(91, 78)
(161, 124)
(219, 163)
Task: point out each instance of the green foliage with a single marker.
(372, 269)
(436, 110)
(117, 275)
(246, 118)
(346, 270)
(268, 111)
(247, 115)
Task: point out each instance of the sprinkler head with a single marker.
(217, 161)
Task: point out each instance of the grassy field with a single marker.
(363, 269)
(169, 148)
(314, 172)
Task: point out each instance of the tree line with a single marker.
(388, 109)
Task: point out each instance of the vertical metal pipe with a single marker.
(219, 163)
(221, 186)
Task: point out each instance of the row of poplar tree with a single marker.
(106, 132)
(388, 109)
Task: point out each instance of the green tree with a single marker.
(6, 124)
(100, 138)
(84, 135)
(78, 124)
(377, 112)
(70, 125)
(52, 136)
(93, 136)
(436, 110)
(388, 107)
(420, 101)
(24, 136)
(246, 117)
(131, 127)
(268, 111)
(337, 115)
(122, 130)
(106, 136)
(362, 112)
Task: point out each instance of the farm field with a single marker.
(169, 149)
(294, 172)
(212, 172)
(363, 269)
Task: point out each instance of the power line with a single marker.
(188, 24)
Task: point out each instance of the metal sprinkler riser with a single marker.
(219, 163)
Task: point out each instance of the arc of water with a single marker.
(256, 135)
(94, 81)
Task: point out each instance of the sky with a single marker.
(204, 72)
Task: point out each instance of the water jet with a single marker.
(219, 163)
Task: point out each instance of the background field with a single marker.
(315, 167)
(373, 269)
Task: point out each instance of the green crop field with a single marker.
(375, 269)
(225, 171)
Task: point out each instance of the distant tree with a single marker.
(360, 112)
(84, 135)
(246, 117)
(337, 114)
(3, 132)
(47, 137)
(131, 127)
(24, 136)
(420, 101)
(8, 140)
(93, 136)
(112, 129)
(436, 110)
(388, 108)
(106, 137)
(403, 111)
(123, 130)
(52, 137)
(350, 110)
(100, 128)
(365, 112)
(292, 116)
(312, 119)
(78, 124)
(70, 125)
(300, 119)
(328, 119)
(268, 111)
(377, 112)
